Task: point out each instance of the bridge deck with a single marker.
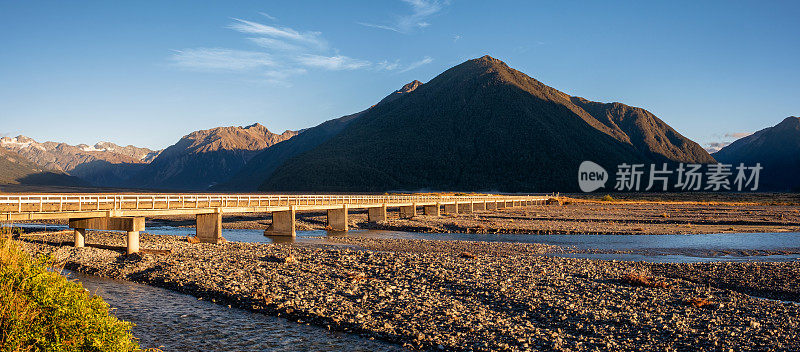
(61, 206)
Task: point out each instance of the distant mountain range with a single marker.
(776, 148)
(479, 126)
(65, 158)
(196, 162)
(16, 169)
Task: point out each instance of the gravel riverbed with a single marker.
(458, 295)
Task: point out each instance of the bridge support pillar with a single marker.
(80, 238)
(209, 228)
(451, 209)
(408, 211)
(376, 214)
(479, 206)
(465, 208)
(432, 210)
(131, 225)
(337, 219)
(282, 223)
(132, 242)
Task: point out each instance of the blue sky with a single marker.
(148, 72)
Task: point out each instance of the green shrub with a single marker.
(41, 310)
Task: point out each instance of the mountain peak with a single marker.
(791, 120)
(487, 58)
(256, 126)
(409, 87)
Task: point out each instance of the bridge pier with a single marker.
(376, 214)
(282, 223)
(432, 210)
(131, 225)
(451, 209)
(80, 238)
(337, 219)
(408, 211)
(132, 242)
(209, 227)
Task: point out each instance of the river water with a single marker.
(173, 321)
(650, 248)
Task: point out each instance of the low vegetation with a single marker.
(642, 280)
(41, 310)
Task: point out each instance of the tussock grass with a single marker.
(41, 310)
(700, 303)
(642, 280)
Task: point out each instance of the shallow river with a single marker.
(650, 248)
(176, 322)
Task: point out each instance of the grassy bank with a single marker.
(41, 310)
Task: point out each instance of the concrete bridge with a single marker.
(127, 212)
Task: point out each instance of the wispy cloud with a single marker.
(281, 53)
(286, 33)
(333, 63)
(268, 16)
(385, 65)
(417, 64)
(276, 44)
(221, 59)
(421, 10)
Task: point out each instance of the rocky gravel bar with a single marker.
(458, 295)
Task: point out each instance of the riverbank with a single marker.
(460, 295)
(41, 310)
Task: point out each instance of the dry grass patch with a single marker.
(642, 280)
(700, 303)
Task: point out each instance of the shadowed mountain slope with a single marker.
(264, 164)
(481, 126)
(204, 158)
(15, 169)
(777, 148)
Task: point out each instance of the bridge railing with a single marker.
(77, 203)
